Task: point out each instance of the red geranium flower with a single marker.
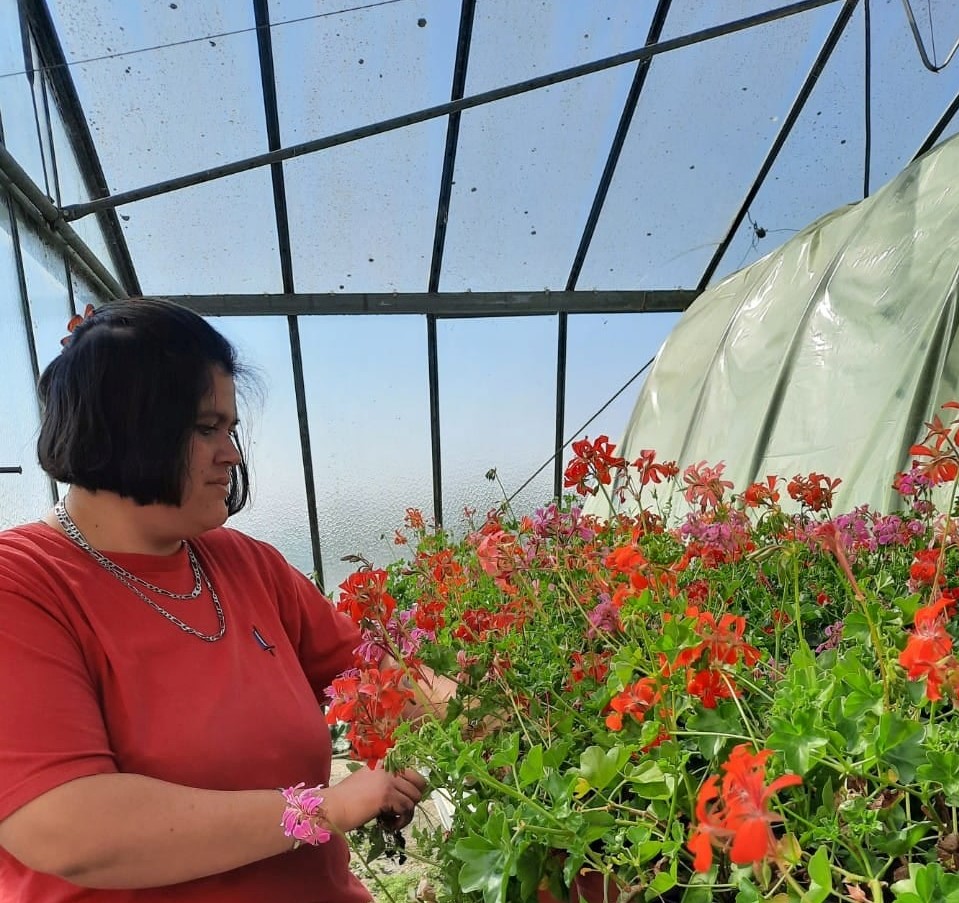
(365, 599)
(636, 700)
(815, 491)
(651, 472)
(761, 493)
(736, 818)
(592, 465)
(928, 649)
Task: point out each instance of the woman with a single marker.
(162, 677)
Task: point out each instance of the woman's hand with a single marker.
(370, 793)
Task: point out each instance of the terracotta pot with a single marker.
(588, 887)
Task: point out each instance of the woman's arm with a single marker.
(431, 694)
(131, 831)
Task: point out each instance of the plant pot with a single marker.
(588, 887)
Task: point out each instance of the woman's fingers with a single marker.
(410, 776)
(366, 794)
(406, 792)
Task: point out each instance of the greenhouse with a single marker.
(597, 360)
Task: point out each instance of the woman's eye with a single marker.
(205, 430)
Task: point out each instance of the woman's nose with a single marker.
(229, 449)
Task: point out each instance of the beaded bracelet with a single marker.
(302, 816)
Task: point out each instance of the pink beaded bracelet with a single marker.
(301, 818)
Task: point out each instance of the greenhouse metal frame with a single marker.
(40, 207)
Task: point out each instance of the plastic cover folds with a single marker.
(827, 354)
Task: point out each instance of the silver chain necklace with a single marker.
(130, 580)
(71, 529)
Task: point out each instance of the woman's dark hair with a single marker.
(119, 404)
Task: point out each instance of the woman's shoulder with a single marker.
(32, 557)
(226, 542)
(36, 542)
(230, 538)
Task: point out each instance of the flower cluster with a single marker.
(735, 816)
(712, 696)
(303, 818)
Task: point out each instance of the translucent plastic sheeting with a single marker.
(366, 63)
(166, 91)
(826, 355)
(67, 182)
(824, 158)
(362, 215)
(527, 167)
(704, 122)
(497, 411)
(47, 152)
(218, 238)
(46, 277)
(277, 512)
(368, 401)
(25, 496)
(20, 134)
(603, 354)
(161, 98)
(907, 99)
(526, 174)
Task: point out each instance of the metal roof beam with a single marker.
(602, 189)
(467, 14)
(936, 133)
(264, 39)
(75, 211)
(441, 304)
(57, 71)
(35, 204)
(825, 52)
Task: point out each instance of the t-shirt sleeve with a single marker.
(51, 727)
(324, 638)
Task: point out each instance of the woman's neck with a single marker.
(111, 523)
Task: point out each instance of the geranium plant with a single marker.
(721, 696)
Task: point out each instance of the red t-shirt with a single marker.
(94, 681)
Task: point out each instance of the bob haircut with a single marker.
(119, 404)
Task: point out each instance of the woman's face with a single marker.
(213, 455)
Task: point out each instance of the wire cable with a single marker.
(867, 101)
(223, 34)
(552, 457)
(932, 31)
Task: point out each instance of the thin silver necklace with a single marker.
(130, 580)
(71, 529)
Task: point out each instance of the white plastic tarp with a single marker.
(826, 355)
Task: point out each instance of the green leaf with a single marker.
(598, 766)
(942, 768)
(649, 782)
(899, 744)
(663, 882)
(529, 868)
(748, 892)
(898, 843)
(908, 605)
(797, 739)
(855, 627)
(715, 724)
(698, 894)
(554, 756)
(483, 869)
(863, 693)
(506, 755)
(531, 768)
(820, 878)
